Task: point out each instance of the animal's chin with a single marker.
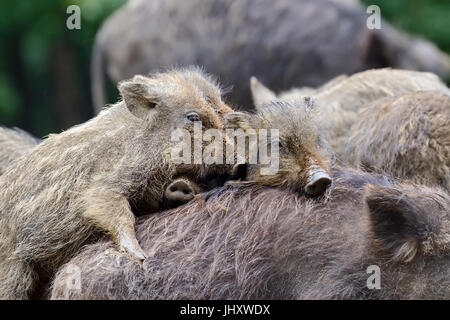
(277, 182)
(300, 189)
(172, 204)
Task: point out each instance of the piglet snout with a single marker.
(179, 191)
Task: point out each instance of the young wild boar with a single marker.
(89, 177)
(250, 242)
(304, 159)
(14, 143)
(341, 100)
(305, 43)
(406, 137)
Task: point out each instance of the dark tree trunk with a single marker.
(20, 79)
(69, 100)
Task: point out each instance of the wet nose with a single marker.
(319, 181)
(179, 191)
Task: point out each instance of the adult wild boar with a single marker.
(251, 242)
(407, 137)
(88, 178)
(305, 43)
(340, 101)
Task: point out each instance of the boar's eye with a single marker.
(193, 116)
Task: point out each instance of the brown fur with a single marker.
(88, 178)
(187, 188)
(249, 242)
(285, 43)
(340, 102)
(301, 147)
(14, 143)
(407, 137)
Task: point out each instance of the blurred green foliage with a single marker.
(428, 18)
(31, 30)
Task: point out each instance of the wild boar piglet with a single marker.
(407, 137)
(14, 143)
(341, 99)
(296, 154)
(88, 178)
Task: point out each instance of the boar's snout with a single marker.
(318, 182)
(179, 192)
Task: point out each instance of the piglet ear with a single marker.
(260, 93)
(395, 224)
(138, 97)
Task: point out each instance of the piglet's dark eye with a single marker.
(193, 116)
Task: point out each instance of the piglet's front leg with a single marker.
(111, 212)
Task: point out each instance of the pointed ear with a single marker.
(137, 95)
(395, 224)
(260, 93)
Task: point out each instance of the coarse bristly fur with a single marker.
(89, 177)
(14, 143)
(252, 242)
(341, 101)
(301, 148)
(407, 137)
